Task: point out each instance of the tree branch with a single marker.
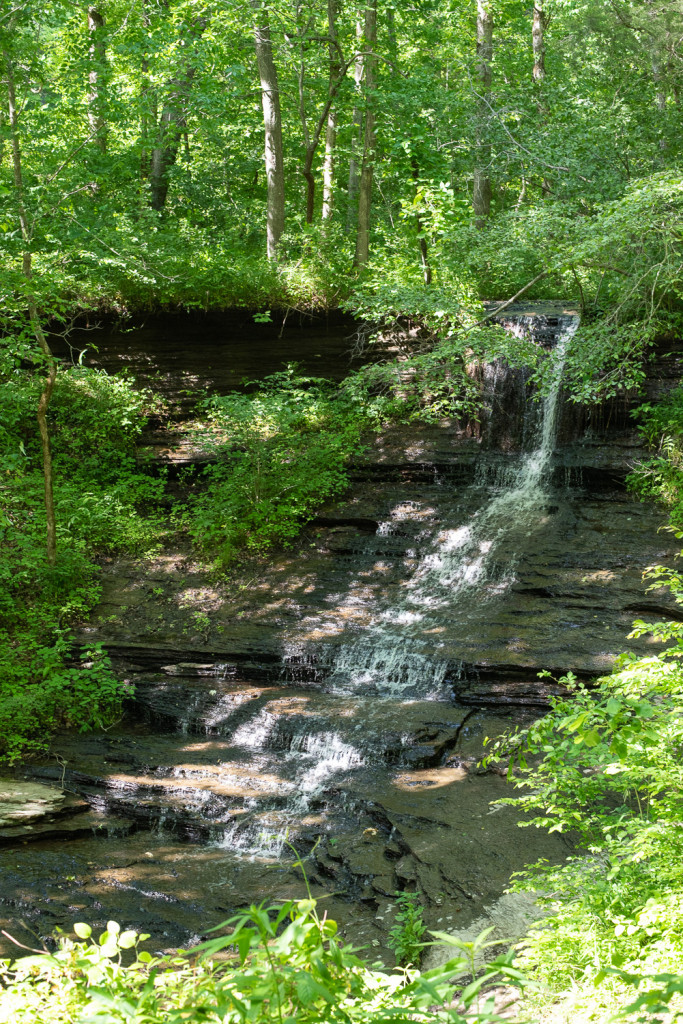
(504, 305)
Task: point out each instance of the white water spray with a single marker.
(388, 659)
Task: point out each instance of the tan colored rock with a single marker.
(24, 802)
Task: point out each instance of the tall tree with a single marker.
(272, 122)
(148, 98)
(421, 239)
(356, 133)
(312, 137)
(36, 327)
(95, 78)
(173, 121)
(481, 191)
(367, 166)
(335, 66)
(538, 41)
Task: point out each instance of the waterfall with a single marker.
(388, 658)
(397, 658)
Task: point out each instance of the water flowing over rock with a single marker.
(338, 699)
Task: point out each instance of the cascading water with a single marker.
(281, 760)
(462, 556)
(409, 642)
(388, 659)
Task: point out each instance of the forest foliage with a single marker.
(272, 964)
(403, 162)
(141, 135)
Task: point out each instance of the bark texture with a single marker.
(481, 191)
(367, 167)
(98, 56)
(148, 117)
(422, 241)
(331, 126)
(538, 42)
(356, 134)
(660, 97)
(172, 125)
(272, 122)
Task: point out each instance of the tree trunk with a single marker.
(310, 187)
(481, 192)
(149, 112)
(392, 42)
(366, 174)
(327, 120)
(97, 62)
(272, 121)
(331, 127)
(538, 42)
(172, 127)
(48, 387)
(356, 132)
(538, 27)
(660, 98)
(422, 241)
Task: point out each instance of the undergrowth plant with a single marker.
(606, 767)
(104, 503)
(660, 477)
(280, 452)
(271, 964)
(405, 938)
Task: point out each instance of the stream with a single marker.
(336, 699)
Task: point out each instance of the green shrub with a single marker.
(405, 938)
(41, 693)
(103, 503)
(278, 964)
(281, 452)
(424, 388)
(606, 766)
(661, 476)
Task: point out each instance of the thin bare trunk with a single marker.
(310, 144)
(338, 70)
(149, 113)
(333, 7)
(422, 241)
(39, 334)
(356, 132)
(272, 121)
(481, 192)
(538, 42)
(367, 167)
(508, 302)
(170, 132)
(660, 98)
(97, 62)
(538, 27)
(310, 194)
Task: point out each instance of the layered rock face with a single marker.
(337, 697)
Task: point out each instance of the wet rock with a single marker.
(83, 822)
(31, 810)
(510, 917)
(22, 802)
(338, 695)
